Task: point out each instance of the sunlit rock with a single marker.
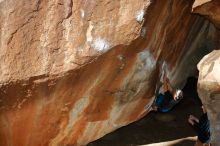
(209, 90)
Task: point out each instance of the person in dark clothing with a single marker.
(165, 101)
(202, 128)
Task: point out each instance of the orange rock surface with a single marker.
(73, 71)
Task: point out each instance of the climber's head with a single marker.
(202, 106)
(178, 94)
(204, 109)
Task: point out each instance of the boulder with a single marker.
(209, 9)
(209, 90)
(73, 71)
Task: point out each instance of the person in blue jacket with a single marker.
(167, 99)
(202, 128)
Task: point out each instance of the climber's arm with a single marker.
(166, 84)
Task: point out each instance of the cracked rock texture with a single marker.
(73, 71)
(209, 90)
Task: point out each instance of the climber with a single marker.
(202, 128)
(166, 99)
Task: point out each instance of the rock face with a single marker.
(209, 69)
(208, 8)
(73, 71)
(209, 90)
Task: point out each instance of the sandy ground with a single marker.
(159, 129)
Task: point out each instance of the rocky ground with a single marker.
(159, 129)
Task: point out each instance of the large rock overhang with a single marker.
(73, 71)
